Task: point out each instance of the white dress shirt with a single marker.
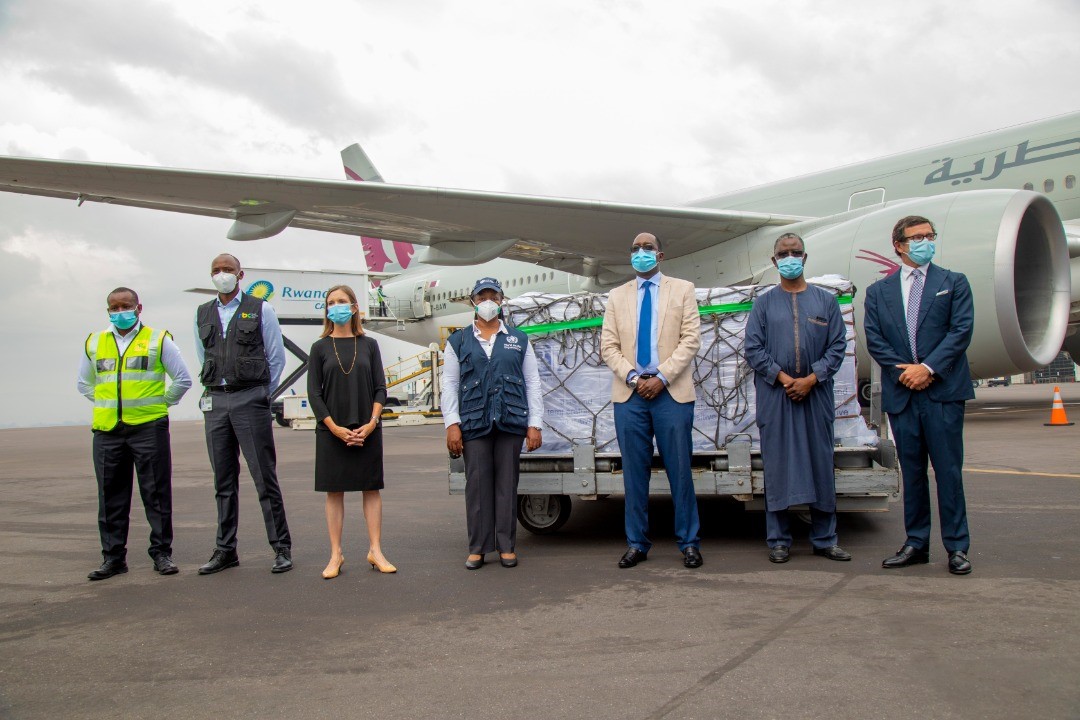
(273, 345)
(451, 380)
(170, 358)
(906, 279)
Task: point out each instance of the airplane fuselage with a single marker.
(1043, 157)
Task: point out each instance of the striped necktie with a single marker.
(644, 335)
(913, 302)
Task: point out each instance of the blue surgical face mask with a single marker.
(790, 267)
(643, 260)
(921, 251)
(339, 314)
(125, 319)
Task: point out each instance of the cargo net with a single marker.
(577, 383)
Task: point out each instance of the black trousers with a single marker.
(491, 480)
(238, 422)
(118, 453)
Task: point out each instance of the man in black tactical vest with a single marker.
(242, 355)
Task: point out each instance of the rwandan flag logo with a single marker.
(260, 289)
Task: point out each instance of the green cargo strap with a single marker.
(583, 323)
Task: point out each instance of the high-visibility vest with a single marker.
(129, 387)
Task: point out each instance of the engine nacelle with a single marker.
(1009, 243)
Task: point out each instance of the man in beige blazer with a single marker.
(651, 334)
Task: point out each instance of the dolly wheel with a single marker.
(543, 514)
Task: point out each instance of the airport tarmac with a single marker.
(564, 635)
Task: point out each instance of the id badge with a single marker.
(206, 402)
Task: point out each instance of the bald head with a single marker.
(647, 241)
(225, 263)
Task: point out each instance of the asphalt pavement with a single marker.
(566, 634)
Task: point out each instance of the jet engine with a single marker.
(1009, 243)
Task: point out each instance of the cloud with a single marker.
(626, 101)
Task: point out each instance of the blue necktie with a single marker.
(913, 302)
(644, 331)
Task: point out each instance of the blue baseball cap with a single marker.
(487, 283)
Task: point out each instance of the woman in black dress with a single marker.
(347, 389)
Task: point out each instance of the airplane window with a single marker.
(1029, 186)
(1070, 181)
(1048, 186)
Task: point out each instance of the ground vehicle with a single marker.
(867, 480)
(999, 381)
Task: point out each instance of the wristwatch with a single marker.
(632, 382)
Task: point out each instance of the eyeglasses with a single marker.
(790, 253)
(918, 238)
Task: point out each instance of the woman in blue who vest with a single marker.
(491, 403)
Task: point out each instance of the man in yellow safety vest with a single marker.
(123, 373)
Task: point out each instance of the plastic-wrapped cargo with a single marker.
(577, 384)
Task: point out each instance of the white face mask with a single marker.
(224, 282)
(488, 310)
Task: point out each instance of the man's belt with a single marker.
(230, 388)
(646, 376)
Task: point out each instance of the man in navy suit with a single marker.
(918, 326)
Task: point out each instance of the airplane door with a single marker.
(866, 198)
(421, 308)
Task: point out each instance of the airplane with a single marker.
(1005, 203)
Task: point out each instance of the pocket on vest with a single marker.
(209, 372)
(472, 396)
(251, 369)
(208, 335)
(517, 405)
(247, 332)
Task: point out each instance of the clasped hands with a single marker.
(649, 388)
(353, 438)
(797, 388)
(915, 376)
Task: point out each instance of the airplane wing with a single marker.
(459, 227)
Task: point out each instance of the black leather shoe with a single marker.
(692, 557)
(108, 569)
(219, 561)
(779, 554)
(508, 562)
(959, 563)
(905, 556)
(282, 560)
(164, 565)
(474, 564)
(833, 552)
(632, 557)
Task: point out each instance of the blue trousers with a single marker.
(934, 431)
(822, 528)
(637, 421)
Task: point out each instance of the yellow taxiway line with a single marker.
(1021, 472)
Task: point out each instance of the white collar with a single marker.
(502, 329)
(906, 270)
(135, 329)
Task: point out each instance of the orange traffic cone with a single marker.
(1057, 411)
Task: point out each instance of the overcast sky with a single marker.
(629, 101)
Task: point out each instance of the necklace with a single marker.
(353, 363)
